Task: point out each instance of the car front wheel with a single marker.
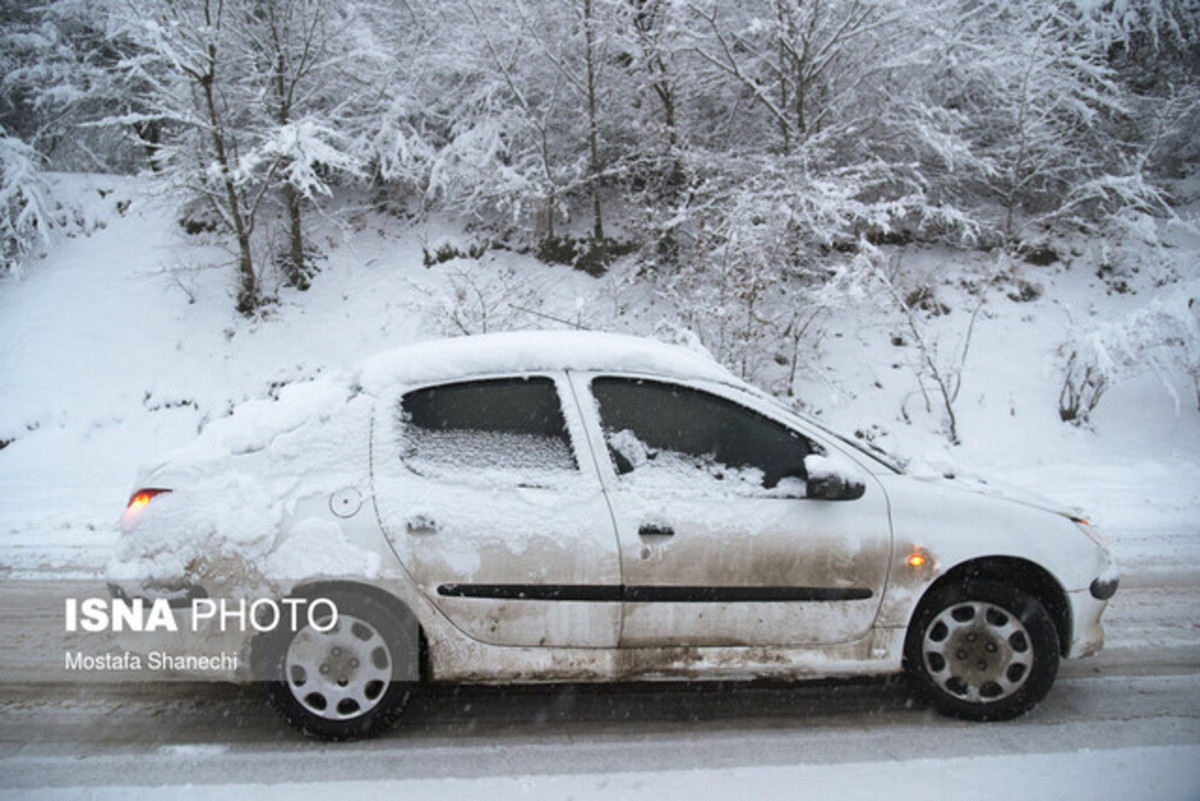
(338, 679)
(982, 650)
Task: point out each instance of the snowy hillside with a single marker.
(122, 343)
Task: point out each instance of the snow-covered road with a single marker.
(577, 741)
(1124, 724)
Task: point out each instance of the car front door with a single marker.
(719, 543)
(480, 493)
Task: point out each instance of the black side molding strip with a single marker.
(534, 592)
(658, 594)
(651, 594)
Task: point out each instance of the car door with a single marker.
(719, 543)
(480, 493)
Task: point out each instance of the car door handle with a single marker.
(421, 525)
(655, 530)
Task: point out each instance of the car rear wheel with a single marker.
(338, 679)
(982, 650)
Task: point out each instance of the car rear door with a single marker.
(481, 494)
(719, 545)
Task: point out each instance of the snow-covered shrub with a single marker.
(476, 300)
(448, 251)
(26, 216)
(769, 244)
(940, 361)
(586, 254)
(1162, 337)
(1084, 383)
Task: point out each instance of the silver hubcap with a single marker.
(341, 673)
(978, 652)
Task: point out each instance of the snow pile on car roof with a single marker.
(535, 351)
(256, 425)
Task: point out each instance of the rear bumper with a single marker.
(179, 595)
(191, 648)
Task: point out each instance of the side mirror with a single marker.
(832, 479)
(834, 488)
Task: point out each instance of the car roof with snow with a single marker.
(536, 351)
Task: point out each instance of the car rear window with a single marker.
(506, 424)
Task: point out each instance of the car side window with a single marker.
(510, 425)
(659, 433)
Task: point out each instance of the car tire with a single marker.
(342, 683)
(982, 650)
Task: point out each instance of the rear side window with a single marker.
(692, 437)
(508, 424)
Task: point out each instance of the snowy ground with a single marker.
(120, 344)
(1129, 773)
(1104, 732)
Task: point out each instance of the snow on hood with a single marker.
(994, 489)
(1015, 493)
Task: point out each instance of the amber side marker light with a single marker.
(916, 560)
(142, 497)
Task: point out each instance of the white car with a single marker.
(572, 507)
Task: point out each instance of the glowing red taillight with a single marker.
(141, 498)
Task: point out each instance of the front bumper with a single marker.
(1087, 632)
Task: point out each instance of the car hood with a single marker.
(1002, 490)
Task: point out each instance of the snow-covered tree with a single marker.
(197, 68)
(57, 76)
(651, 46)
(301, 50)
(394, 94)
(503, 148)
(26, 212)
(1161, 337)
(538, 120)
(1045, 109)
(1154, 46)
(767, 253)
(801, 64)
(249, 95)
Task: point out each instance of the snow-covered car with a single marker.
(572, 507)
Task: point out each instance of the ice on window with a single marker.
(474, 428)
(436, 452)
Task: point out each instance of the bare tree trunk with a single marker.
(589, 36)
(648, 23)
(247, 298)
(149, 133)
(296, 271)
